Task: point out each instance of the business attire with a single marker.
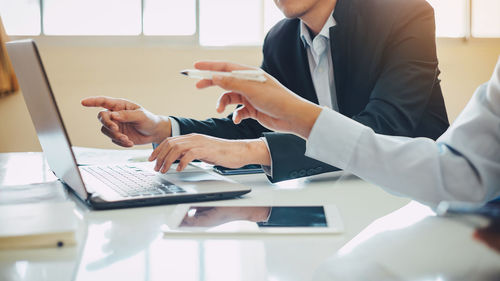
(382, 72)
(462, 165)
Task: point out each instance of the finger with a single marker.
(154, 154)
(170, 151)
(161, 152)
(228, 98)
(122, 143)
(161, 148)
(247, 88)
(109, 103)
(241, 113)
(104, 117)
(220, 66)
(187, 158)
(175, 153)
(204, 84)
(127, 116)
(117, 136)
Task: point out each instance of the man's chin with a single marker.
(293, 14)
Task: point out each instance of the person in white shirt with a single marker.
(462, 165)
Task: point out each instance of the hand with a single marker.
(270, 103)
(489, 236)
(227, 153)
(127, 123)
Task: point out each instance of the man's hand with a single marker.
(227, 153)
(127, 123)
(270, 103)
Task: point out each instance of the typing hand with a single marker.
(227, 153)
(269, 102)
(127, 123)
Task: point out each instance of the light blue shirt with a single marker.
(319, 55)
(462, 165)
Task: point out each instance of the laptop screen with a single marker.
(45, 113)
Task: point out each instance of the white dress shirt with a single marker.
(462, 165)
(319, 55)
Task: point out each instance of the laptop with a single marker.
(104, 186)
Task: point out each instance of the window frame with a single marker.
(184, 40)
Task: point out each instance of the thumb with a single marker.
(127, 116)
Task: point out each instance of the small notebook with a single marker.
(37, 225)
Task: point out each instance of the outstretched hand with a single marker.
(127, 123)
(269, 102)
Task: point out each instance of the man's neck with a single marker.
(316, 18)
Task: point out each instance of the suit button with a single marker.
(319, 170)
(311, 172)
(293, 174)
(302, 173)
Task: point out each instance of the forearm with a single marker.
(221, 128)
(255, 152)
(162, 129)
(302, 115)
(417, 168)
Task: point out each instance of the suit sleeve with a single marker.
(221, 127)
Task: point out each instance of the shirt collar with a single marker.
(325, 31)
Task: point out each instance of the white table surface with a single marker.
(127, 244)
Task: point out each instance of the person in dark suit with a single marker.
(371, 60)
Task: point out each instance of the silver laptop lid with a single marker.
(44, 113)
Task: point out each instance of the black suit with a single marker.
(386, 77)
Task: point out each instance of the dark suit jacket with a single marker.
(386, 77)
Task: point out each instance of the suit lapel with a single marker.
(339, 47)
(303, 81)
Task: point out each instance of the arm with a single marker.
(458, 167)
(462, 165)
(405, 90)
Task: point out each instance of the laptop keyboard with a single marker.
(130, 181)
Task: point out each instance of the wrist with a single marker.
(163, 129)
(256, 152)
(306, 120)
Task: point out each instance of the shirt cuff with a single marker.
(175, 130)
(268, 169)
(333, 138)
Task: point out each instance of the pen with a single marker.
(253, 75)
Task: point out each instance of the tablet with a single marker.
(277, 219)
